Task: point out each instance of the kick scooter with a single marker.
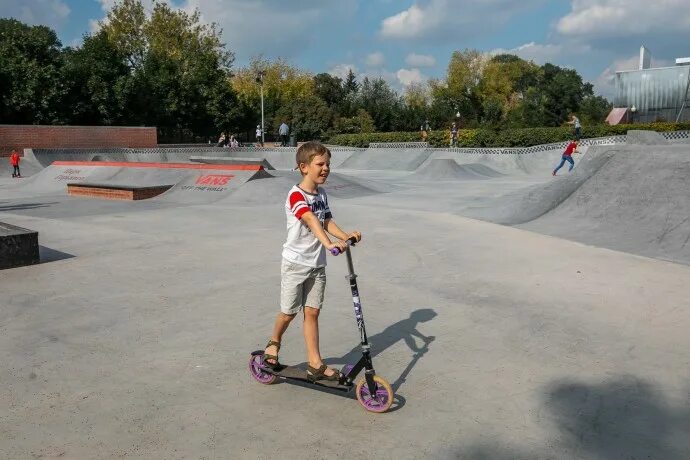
(373, 392)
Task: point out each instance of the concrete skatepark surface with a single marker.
(132, 338)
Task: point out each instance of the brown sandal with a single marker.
(275, 364)
(314, 374)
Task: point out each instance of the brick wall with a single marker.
(115, 193)
(52, 137)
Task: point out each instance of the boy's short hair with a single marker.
(307, 151)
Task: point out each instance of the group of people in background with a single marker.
(231, 141)
(226, 140)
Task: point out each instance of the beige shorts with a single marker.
(301, 286)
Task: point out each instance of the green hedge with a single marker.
(524, 137)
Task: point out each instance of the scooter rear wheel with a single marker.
(256, 369)
(380, 401)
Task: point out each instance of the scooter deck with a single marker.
(300, 373)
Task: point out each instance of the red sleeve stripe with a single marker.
(296, 197)
(301, 211)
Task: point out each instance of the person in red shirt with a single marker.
(568, 156)
(14, 161)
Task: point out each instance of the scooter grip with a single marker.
(350, 242)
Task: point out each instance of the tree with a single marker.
(125, 28)
(594, 109)
(462, 81)
(381, 102)
(283, 84)
(30, 62)
(309, 117)
(351, 85)
(563, 92)
(94, 76)
(360, 123)
(179, 65)
(330, 89)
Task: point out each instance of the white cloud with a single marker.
(407, 77)
(538, 53)
(341, 70)
(624, 18)
(94, 26)
(448, 20)
(410, 23)
(51, 13)
(420, 60)
(375, 59)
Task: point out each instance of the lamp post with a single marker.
(260, 80)
(633, 110)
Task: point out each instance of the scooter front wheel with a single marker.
(378, 402)
(256, 363)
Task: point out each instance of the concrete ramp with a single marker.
(638, 201)
(53, 179)
(210, 183)
(387, 159)
(642, 137)
(193, 182)
(274, 185)
(534, 201)
(447, 169)
(537, 163)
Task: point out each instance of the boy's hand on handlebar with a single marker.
(340, 245)
(356, 235)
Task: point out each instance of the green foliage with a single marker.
(351, 85)
(30, 63)
(308, 117)
(330, 89)
(563, 92)
(94, 76)
(360, 123)
(594, 110)
(381, 102)
(523, 137)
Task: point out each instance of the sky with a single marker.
(407, 41)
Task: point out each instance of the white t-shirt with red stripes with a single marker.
(301, 246)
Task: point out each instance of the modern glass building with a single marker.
(656, 94)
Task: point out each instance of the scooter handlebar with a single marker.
(350, 242)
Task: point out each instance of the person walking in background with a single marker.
(567, 156)
(577, 127)
(258, 136)
(283, 131)
(454, 135)
(14, 161)
(425, 130)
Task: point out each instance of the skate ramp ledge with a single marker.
(123, 164)
(232, 161)
(116, 191)
(18, 246)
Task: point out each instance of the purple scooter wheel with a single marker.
(256, 368)
(380, 401)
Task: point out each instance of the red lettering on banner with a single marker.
(214, 179)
